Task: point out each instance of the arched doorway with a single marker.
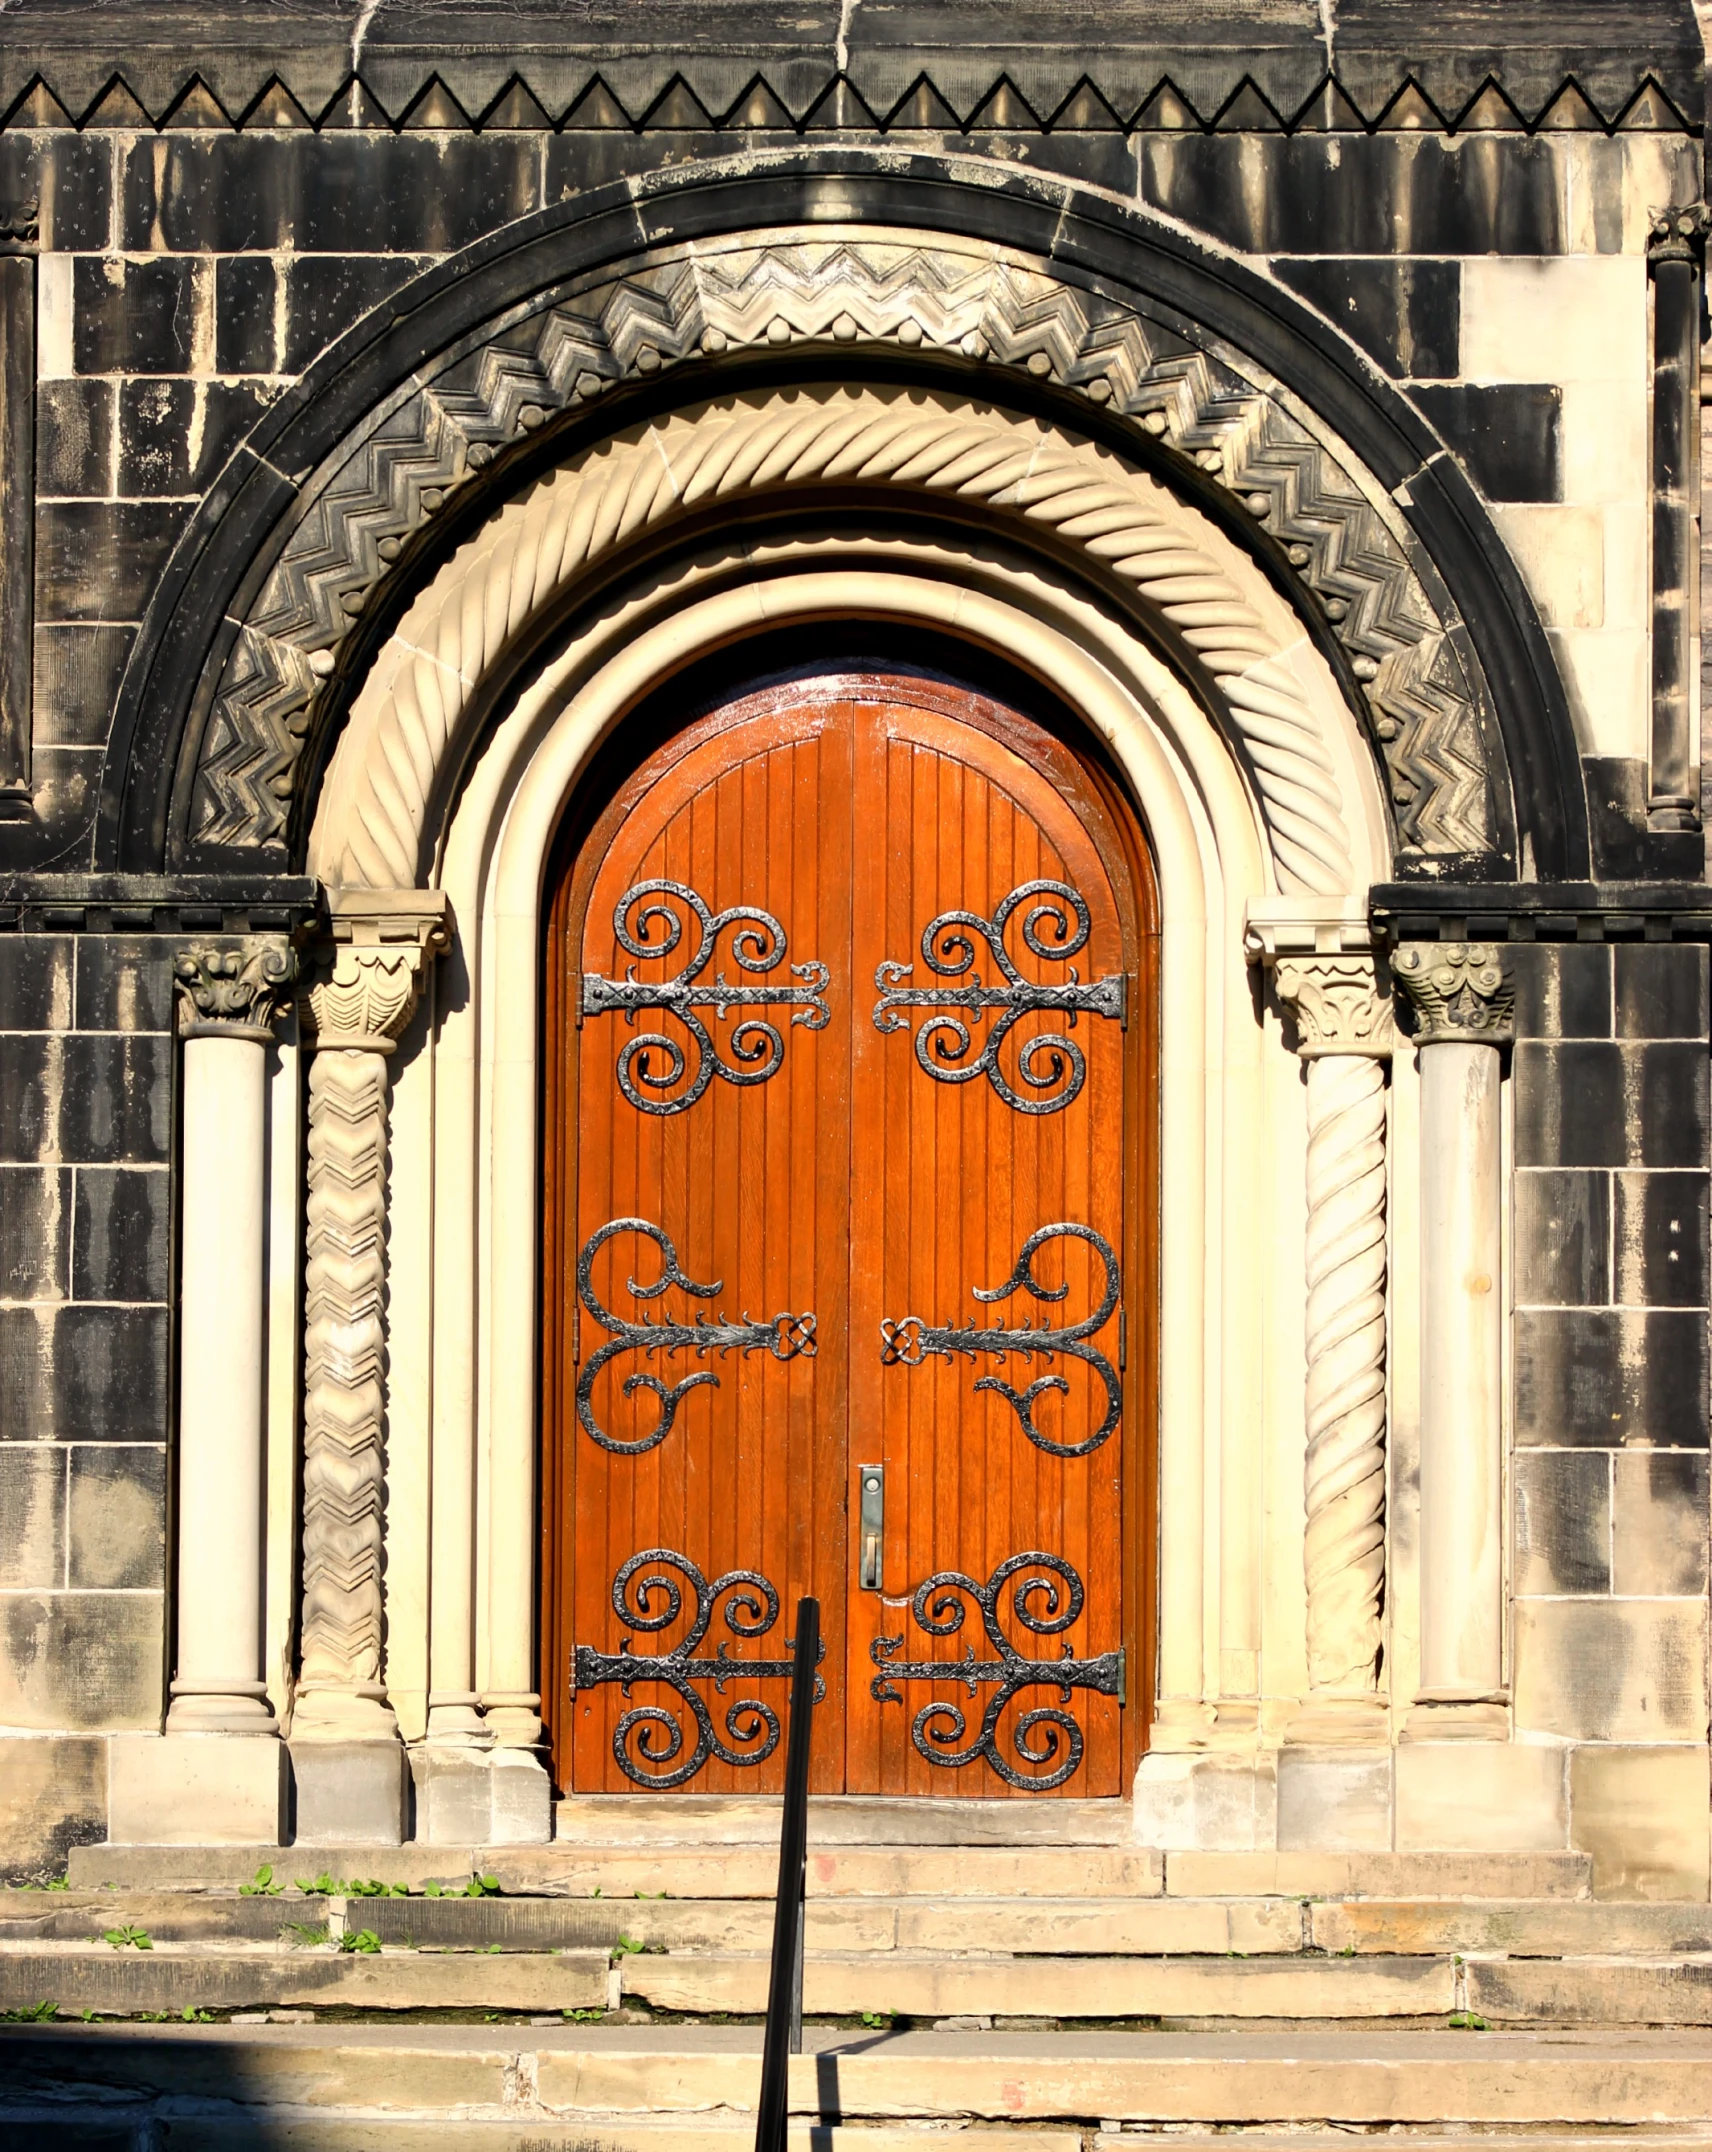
(850, 1228)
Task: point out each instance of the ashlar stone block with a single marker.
(1612, 1669)
(1206, 1802)
(53, 1795)
(1334, 1800)
(1662, 1503)
(1562, 1521)
(1481, 1796)
(198, 1790)
(351, 1793)
(1643, 1815)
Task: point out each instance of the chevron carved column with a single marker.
(354, 1013)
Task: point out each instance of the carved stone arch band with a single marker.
(405, 726)
(1190, 401)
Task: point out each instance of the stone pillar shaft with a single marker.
(1463, 995)
(1345, 1037)
(227, 1001)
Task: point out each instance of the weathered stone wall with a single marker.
(86, 1090)
(1609, 1464)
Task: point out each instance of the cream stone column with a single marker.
(346, 1751)
(228, 999)
(1345, 1037)
(1463, 996)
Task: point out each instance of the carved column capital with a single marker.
(1338, 1005)
(233, 989)
(1463, 992)
(363, 995)
(1677, 234)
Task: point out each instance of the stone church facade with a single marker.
(1254, 459)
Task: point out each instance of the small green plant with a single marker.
(626, 1947)
(53, 1883)
(1467, 2021)
(582, 2017)
(306, 1931)
(480, 1886)
(30, 2014)
(650, 1894)
(433, 1890)
(491, 1950)
(363, 1941)
(322, 1887)
(260, 1885)
(372, 1889)
(1348, 1951)
(878, 2020)
(128, 1938)
(190, 2015)
(597, 1890)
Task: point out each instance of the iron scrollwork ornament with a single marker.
(649, 1738)
(786, 1337)
(909, 1340)
(1055, 926)
(646, 925)
(1047, 1736)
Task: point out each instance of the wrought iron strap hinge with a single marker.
(649, 1739)
(1056, 925)
(908, 1340)
(646, 925)
(940, 1730)
(785, 1336)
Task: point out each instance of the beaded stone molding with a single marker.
(1198, 405)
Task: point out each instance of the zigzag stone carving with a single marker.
(353, 1017)
(1203, 405)
(407, 716)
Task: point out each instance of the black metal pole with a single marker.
(784, 1986)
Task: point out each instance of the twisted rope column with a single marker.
(354, 1015)
(1345, 1037)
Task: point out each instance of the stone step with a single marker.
(577, 1869)
(1036, 1926)
(843, 1819)
(236, 1976)
(321, 2077)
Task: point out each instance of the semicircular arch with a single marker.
(424, 418)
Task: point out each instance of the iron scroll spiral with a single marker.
(908, 1340)
(649, 1738)
(646, 924)
(940, 1731)
(1055, 926)
(786, 1337)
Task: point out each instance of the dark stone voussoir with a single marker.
(1406, 315)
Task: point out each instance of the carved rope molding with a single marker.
(1199, 404)
(353, 1015)
(405, 721)
(1345, 1034)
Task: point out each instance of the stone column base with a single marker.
(480, 1797)
(1334, 1799)
(351, 1793)
(196, 1790)
(1211, 1803)
(1481, 1797)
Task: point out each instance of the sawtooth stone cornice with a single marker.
(1189, 405)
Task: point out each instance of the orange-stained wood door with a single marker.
(849, 1254)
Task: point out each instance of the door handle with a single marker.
(872, 1529)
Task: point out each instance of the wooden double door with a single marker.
(849, 1245)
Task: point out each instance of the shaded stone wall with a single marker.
(1610, 1466)
(86, 1089)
